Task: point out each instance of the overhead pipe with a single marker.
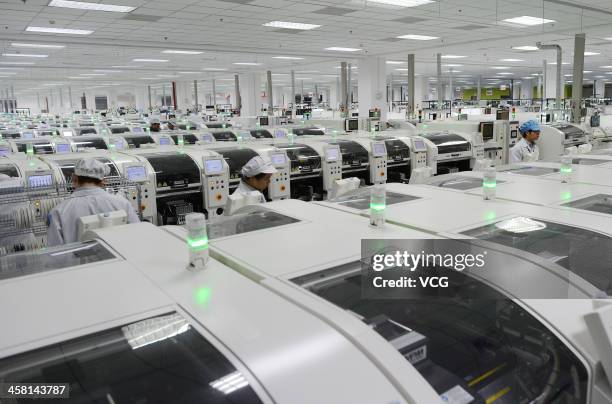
(559, 66)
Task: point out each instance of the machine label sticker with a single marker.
(417, 355)
(456, 395)
(445, 269)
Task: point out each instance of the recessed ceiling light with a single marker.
(591, 53)
(418, 37)
(568, 75)
(452, 65)
(506, 74)
(528, 20)
(291, 25)
(23, 55)
(303, 78)
(49, 30)
(287, 57)
(147, 78)
(214, 69)
(183, 52)
(35, 45)
(599, 77)
(453, 57)
(340, 49)
(17, 63)
(189, 72)
(587, 71)
(394, 62)
(308, 71)
(511, 60)
(151, 60)
(77, 77)
(499, 67)
(107, 71)
(605, 67)
(401, 70)
(125, 67)
(526, 48)
(90, 6)
(92, 74)
(167, 75)
(247, 64)
(526, 78)
(555, 63)
(402, 3)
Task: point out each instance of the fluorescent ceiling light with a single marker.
(303, 78)
(340, 67)
(453, 71)
(535, 74)
(11, 68)
(291, 25)
(609, 73)
(591, 53)
(35, 45)
(125, 67)
(90, 6)
(499, 67)
(77, 77)
(394, 62)
(151, 60)
(170, 76)
(608, 39)
(247, 64)
(8, 72)
(189, 72)
(453, 57)
(24, 55)
(107, 71)
(555, 63)
(587, 71)
(528, 20)
(401, 70)
(526, 78)
(48, 30)
(287, 57)
(599, 77)
(526, 48)
(308, 71)
(147, 78)
(92, 74)
(418, 37)
(452, 65)
(183, 52)
(341, 49)
(568, 75)
(511, 60)
(230, 383)
(402, 3)
(606, 67)
(214, 69)
(17, 63)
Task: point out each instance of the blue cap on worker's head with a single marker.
(530, 126)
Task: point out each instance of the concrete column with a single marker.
(270, 94)
(237, 91)
(440, 90)
(293, 93)
(196, 102)
(544, 83)
(411, 87)
(333, 94)
(372, 86)
(344, 99)
(516, 90)
(214, 93)
(478, 88)
(251, 88)
(526, 89)
(349, 85)
(579, 45)
(421, 89)
(599, 88)
(450, 85)
(150, 99)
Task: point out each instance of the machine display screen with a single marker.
(513, 134)
(264, 121)
(378, 149)
(27, 135)
(137, 130)
(207, 138)
(62, 147)
(164, 359)
(67, 133)
(332, 154)
(118, 144)
(214, 166)
(37, 181)
(486, 128)
(352, 125)
(164, 141)
(419, 146)
(279, 159)
(136, 173)
(4, 151)
(280, 134)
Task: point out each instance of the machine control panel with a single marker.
(216, 183)
(280, 183)
(137, 172)
(332, 166)
(514, 133)
(378, 162)
(62, 147)
(418, 149)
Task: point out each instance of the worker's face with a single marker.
(260, 184)
(532, 136)
(155, 127)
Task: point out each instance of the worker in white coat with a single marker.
(526, 149)
(256, 175)
(88, 198)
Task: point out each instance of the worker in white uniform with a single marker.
(256, 175)
(526, 149)
(88, 198)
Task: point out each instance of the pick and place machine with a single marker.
(555, 139)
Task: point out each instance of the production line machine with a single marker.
(461, 345)
(158, 325)
(556, 138)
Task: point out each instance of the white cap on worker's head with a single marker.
(154, 120)
(257, 165)
(91, 168)
(4, 177)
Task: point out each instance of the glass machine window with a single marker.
(261, 134)
(158, 360)
(188, 138)
(360, 199)
(531, 171)
(581, 251)
(67, 167)
(224, 136)
(250, 219)
(85, 142)
(308, 132)
(236, 159)
(484, 350)
(459, 182)
(10, 170)
(65, 256)
(135, 141)
(115, 130)
(40, 147)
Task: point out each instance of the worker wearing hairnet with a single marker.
(88, 198)
(256, 175)
(526, 149)
(155, 125)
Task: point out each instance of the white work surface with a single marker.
(581, 173)
(278, 342)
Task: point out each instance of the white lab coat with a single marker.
(83, 202)
(524, 151)
(245, 189)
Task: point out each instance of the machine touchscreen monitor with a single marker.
(136, 173)
(278, 159)
(214, 166)
(378, 149)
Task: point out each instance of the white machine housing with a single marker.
(280, 183)
(331, 162)
(215, 182)
(554, 139)
(378, 162)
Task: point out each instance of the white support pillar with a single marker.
(372, 86)
(551, 81)
(599, 88)
(250, 92)
(421, 90)
(526, 89)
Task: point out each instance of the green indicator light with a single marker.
(489, 184)
(31, 164)
(566, 170)
(490, 216)
(181, 142)
(378, 206)
(202, 296)
(112, 146)
(566, 195)
(198, 243)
